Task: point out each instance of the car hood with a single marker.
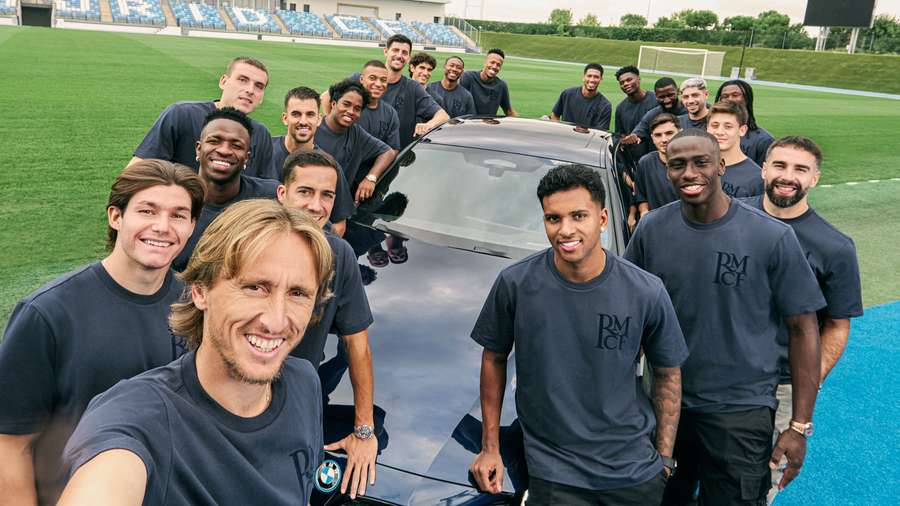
(426, 370)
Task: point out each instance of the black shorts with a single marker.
(546, 493)
(727, 453)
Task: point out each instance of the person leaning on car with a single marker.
(588, 425)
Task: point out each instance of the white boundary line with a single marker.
(854, 183)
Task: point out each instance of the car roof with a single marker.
(548, 139)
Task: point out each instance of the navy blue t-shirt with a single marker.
(198, 453)
(343, 201)
(251, 188)
(642, 129)
(411, 101)
(175, 134)
(587, 422)
(755, 144)
(574, 107)
(346, 312)
(732, 282)
(832, 256)
(382, 123)
(651, 182)
(628, 115)
(743, 179)
(69, 341)
(457, 102)
(685, 122)
(488, 95)
(350, 149)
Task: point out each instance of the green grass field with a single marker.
(77, 103)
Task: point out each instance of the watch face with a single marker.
(363, 432)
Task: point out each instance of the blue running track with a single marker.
(854, 456)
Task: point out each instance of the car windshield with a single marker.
(475, 199)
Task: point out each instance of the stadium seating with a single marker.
(88, 10)
(351, 27)
(252, 20)
(144, 12)
(389, 27)
(439, 34)
(193, 15)
(303, 23)
(7, 7)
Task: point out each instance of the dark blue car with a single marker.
(457, 206)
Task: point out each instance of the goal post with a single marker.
(701, 62)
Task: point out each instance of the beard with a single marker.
(785, 202)
(235, 372)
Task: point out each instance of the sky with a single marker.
(609, 11)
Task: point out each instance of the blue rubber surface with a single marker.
(854, 456)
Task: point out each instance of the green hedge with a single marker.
(839, 70)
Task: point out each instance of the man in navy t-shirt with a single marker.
(177, 130)
(579, 318)
(222, 151)
(694, 95)
(652, 188)
(76, 336)
(455, 99)
(755, 143)
(379, 118)
(302, 118)
(488, 90)
(309, 184)
(735, 275)
(584, 105)
(792, 168)
(629, 112)
(236, 420)
(728, 124)
(666, 91)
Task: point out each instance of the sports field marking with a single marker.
(854, 183)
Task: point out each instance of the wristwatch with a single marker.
(370, 177)
(804, 429)
(669, 462)
(363, 431)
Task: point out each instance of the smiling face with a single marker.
(733, 93)
(396, 56)
(694, 100)
(726, 129)
(223, 150)
(345, 110)
(629, 83)
(301, 117)
(421, 73)
(574, 223)
(311, 188)
(243, 88)
(789, 173)
(154, 226)
(667, 96)
(591, 80)
(694, 168)
(375, 81)
(252, 321)
(453, 69)
(492, 65)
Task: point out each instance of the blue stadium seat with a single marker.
(389, 27)
(144, 12)
(88, 10)
(351, 27)
(440, 35)
(7, 7)
(303, 23)
(193, 15)
(252, 20)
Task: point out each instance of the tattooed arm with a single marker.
(667, 406)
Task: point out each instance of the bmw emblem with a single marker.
(328, 476)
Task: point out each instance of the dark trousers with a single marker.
(546, 493)
(727, 453)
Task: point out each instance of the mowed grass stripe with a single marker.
(77, 103)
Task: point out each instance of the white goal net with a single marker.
(700, 62)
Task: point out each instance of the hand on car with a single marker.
(360, 467)
(630, 139)
(422, 129)
(365, 190)
(792, 445)
(488, 471)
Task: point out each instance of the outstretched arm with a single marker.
(17, 472)
(114, 477)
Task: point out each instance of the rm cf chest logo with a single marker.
(613, 331)
(731, 270)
